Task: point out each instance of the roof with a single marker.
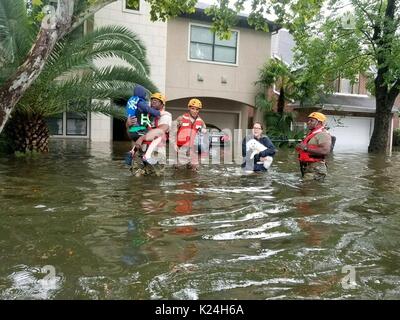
(348, 103)
(242, 22)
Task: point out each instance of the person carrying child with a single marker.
(138, 107)
(153, 141)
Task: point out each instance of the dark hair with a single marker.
(259, 124)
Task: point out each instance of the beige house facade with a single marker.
(225, 82)
(187, 60)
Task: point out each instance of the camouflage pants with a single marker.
(313, 171)
(141, 168)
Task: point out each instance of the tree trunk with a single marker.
(380, 135)
(28, 133)
(281, 101)
(50, 31)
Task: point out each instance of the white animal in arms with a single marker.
(256, 147)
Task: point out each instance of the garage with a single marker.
(216, 113)
(218, 119)
(352, 133)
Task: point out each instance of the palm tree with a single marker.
(275, 72)
(72, 79)
(278, 124)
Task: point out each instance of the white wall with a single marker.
(100, 127)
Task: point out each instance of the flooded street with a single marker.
(78, 215)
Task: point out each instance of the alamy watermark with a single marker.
(208, 147)
(348, 21)
(50, 278)
(52, 14)
(349, 280)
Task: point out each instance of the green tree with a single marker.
(347, 45)
(278, 124)
(70, 79)
(330, 44)
(276, 72)
(326, 44)
(55, 24)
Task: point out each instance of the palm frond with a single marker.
(103, 43)
(100, 106)
(106, 83)
(71, 77)
(16, 32)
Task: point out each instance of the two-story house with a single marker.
(188, 60)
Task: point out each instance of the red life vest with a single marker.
(305, 156)
(188, 130)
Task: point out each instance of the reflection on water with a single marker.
(216, 234)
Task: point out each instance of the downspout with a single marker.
(391, 136)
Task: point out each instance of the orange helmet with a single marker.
(195, 103)
(158, 96)
(317, 115)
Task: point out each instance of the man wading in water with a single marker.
(314, 148)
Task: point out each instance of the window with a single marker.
(343, 85)
(206, 45)
(132, 5)
(68, 124)
(55, 124)
(76, 124)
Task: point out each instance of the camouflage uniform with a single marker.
(140, 168)
(313, 171)
(137, 165)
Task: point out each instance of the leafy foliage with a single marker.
(72, 76)
(330, 42)
(278, 124)
(279, 128)
(165, 9)
(77, 76)
(16, 36)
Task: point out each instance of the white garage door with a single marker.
(352, 133)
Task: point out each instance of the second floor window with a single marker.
(206, 45)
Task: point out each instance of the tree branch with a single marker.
(78, 20)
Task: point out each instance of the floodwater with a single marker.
(76, 225)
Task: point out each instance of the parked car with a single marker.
(217, 136)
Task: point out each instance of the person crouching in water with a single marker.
(256, 163)
(187, 126)
(314, 148)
